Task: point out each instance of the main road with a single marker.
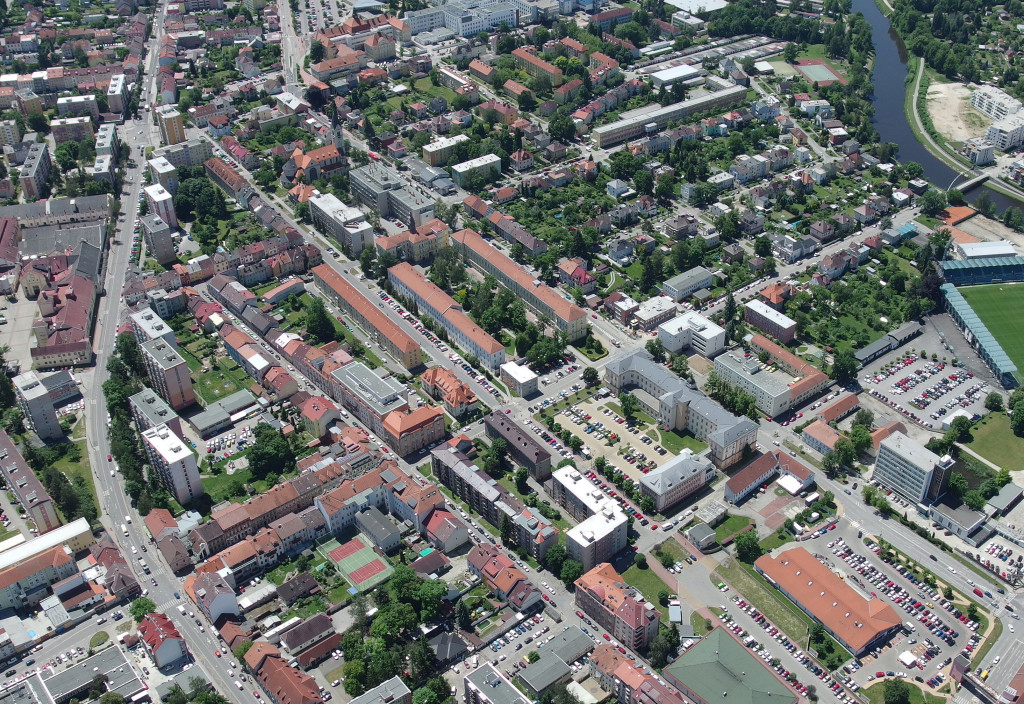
(114, 506)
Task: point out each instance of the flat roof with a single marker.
(112, 662)
(170, 446)
(694, 321)
(520, 373)
(598, 526)
(911, 451)
(42, 543)
(382, 395)
(675, 73)
(770, 313)
(494, 688)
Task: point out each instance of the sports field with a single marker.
(999, 307)
(357, 561)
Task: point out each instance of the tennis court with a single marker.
(817, 71)
(357, 561)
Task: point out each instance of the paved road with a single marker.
(114, 505)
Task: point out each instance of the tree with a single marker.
(747, 547)
(957, 484)
(865, 418)
(656, 350)
(994, 402)
(630, 405)
(462, 615)
(844, 367)
(140, 608)
(932, 202)
(316, 52)
(505, 529)
(318, 321)
(532, 656)
(570, 572)
(590, 376)
(896, 691)
(425, 695)
(972, 611)
(561, 128)
(860, 438)
(641, 562)
(241, 649)
(1017, 419)
(270, 453)
(960, 429)
(790, 53)
(643, 181)
(521, 476)
(127, 349)
(658, 651)
(647, 504)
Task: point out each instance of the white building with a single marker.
(994, 103)
(488, 166)
(677, 479)
(519, 378)
(173, 462)
(682, 285)
(692, 330)
(345, 224)
(1007, 133)
(654, 311)
(668, 76)
(147, 325)
(161, 203)
(911, 470)
(37, 396)
(598, 539)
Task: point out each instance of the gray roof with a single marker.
(62, 208)
(497, 689)
(47, 239)
(688, 278)
(312, 627)
(122, 678)
(700, 532)
(89, 258)
(390, 691)
(448, 647)
(1006, 497)
(377, 528)
(674, 472)
(544, 673)
(222, 410)
(960, 514)
(571, 644)
(888, 342)
(152, 407)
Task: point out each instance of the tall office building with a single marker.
(173, 462)
(911, 470)
(172, 128)
(168, 373)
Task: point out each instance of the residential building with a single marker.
(674, 481)
(994, 103)
(346, 225)
(519, 379)
(161, 640)
(912, 471)
(368, 316)
(71, 129)
(679, 406)
(161, 204)
(149, 410)
(770, 321)
(28, 491)
(857, 623)
(380, 187)
(26, 583)
(565, 315)
(487, 167)
(438, 152)
(444, 531)
(502, 577)
(601, 533)
(485, 686)
(442, 385)
(159, 244)
(616, 607)
(794, 476)
(1006, 134)
(38, 396)
(682, 285)
(524, 450)
(393, 691)
(172, 128)
(35, 171)
(653, 312)
(692, 330)
(146, 325)
(173, 462)
(410, 285)
(491, 500)
(79, 105)
(168, 373)
(785, 381)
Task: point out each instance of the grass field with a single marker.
(649, 584)
(675, 442)
(730, 526)
(81, 469)
(997, 306)
(874, 695)
(994, 441)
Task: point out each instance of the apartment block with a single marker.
(680, 477)
(27, 489)
(71, 129)
(602, 529)
(79, 105)
(149, 411)
(912, 471)
(525, 450)
(626, 129)
(168, 373)
(994, 103)
(535, 66)
(382, 188)
(117, 94)
(784, 382)
(770, 321)
(191, 152)
(437, 305)
(9, 132)
(618, 608)
(164, 173)
(487, 166)
(368, 315)
(38, 394)
(161, 204)
(344, 224)
(157, 234)
(173, 462)
(485, 686)
(35, 171)
(692, 330)
(437, 153)
(146, 325)
(491, 500)
(172, 128)
(566, 316)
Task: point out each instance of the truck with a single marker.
(181, 609)
(124, 529)
(143, 565)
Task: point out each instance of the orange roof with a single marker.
(433, 297)
(373, 315)
(880, 434)
(956, 214)
(561, 308)
(958, 236)
(537, 62)
(54, 557)
(812, 376)
(605, 585)
(398, 424)
(839, 408)
(259, 650)
(157, 520)
(845, 613)
(822, 433)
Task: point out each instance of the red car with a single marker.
(217, 653)
(879, 674)
(108, 458)
(606, 636)
(545, 597)
(580, 614)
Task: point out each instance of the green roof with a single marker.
(718, 669)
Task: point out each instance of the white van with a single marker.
(239, 685)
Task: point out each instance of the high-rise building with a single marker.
(158, 238)
(172, 128)
(117, 94)
(911, 470)
(168, 373)
(602, 532)
(146, 325)
(618, 608)
(161, 203)
(37, 396)
(173, 462)
(35, 171)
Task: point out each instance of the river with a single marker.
(890, 120)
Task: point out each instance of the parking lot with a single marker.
(934, 631)
(1000, 552)
(925, 391)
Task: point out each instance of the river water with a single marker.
(889, 80)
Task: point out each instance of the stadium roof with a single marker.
(961, 309)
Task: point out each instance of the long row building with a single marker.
(566, 316)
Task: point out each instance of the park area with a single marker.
(998, 307)
(992, 438)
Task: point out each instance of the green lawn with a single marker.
(699, 624)
(673, 549)
(224, 378)
(994, 441)
(675, 442)
(875, 695)
(773, 541)
(73, 470)
(221, 487)
(730, 526)
(765, 600)
(998, 307)
(649, 584)
(640, 415)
